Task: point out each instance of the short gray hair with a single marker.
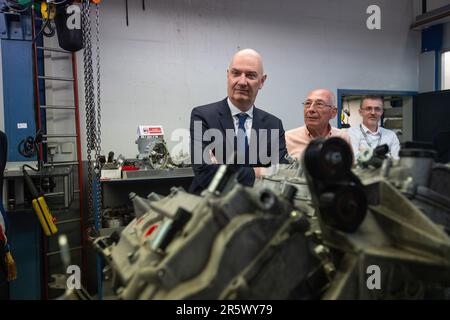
(371, 97)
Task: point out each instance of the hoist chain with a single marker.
(98, 146)
(92, 115)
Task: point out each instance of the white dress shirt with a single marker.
(361, 141)
(248, 121)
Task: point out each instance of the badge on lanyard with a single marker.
(367, 139)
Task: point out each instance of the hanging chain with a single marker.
(92, 115)
(98, 144)
(86, 33)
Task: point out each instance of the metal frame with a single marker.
(40, 106)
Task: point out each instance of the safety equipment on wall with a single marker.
(40, 205)
(68, 22)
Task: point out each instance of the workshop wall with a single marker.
(173, 56)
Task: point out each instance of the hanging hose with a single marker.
(15, 6)
(29, 147)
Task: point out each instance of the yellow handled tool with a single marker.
(40, 207)
(44, 216)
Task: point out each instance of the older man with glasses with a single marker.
(369, 134)
(318, 108)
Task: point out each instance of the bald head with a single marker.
(320, 108)
(251, 55)
(325, 95)
(246, 77)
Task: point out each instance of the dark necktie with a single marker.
(242, 139)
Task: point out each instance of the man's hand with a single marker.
(260, 172)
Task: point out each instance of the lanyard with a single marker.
(367, 140)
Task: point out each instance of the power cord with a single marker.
(29, 146)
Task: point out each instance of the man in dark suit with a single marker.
(233, 130)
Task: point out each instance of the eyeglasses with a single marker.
(318, 103)
(373, 109)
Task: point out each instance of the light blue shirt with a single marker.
(373, 139)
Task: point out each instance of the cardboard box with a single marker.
(111, 174)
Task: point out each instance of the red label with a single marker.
(152, 130)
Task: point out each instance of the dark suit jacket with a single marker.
(3, 154)
(4, 288)
(218, 116)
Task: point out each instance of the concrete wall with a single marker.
(174, 56)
